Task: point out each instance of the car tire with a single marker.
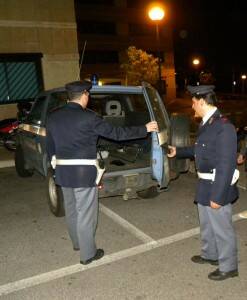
(20, 166)
(55, 196)
(180, 137)
(10, 143)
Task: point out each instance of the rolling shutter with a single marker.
(19, 80)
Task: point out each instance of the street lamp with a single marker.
(243, 77)
(156, 14)
(196, 62)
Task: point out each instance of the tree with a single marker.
(206, 77)
(140, 66)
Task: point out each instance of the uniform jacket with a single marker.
(72, 133)
(215, 148)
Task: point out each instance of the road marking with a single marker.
(56, 274)
(125, 224)
(241, 187)
(7, 163)
(237, 217)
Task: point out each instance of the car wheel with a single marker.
(20, 166)
(55, 196)
(180, 137)
(10, 143)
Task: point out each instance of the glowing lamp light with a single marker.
(196, 62)
(156, 13)
(243, 76)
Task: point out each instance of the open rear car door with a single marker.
(159, 160)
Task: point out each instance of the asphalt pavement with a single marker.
(148, 245)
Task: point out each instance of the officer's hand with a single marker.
(172, 151)
(240, 159)
(214, 205)
(152, 126)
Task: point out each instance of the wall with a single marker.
(41, 26)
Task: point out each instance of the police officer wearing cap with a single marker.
(242, 156)
(72, 134)
(215, 154)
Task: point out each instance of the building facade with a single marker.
(38, 49)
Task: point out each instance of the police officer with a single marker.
(242, 142)
(72, 133)
(215, 154)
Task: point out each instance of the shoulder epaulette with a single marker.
(224, 119)
(90, 110)
(221, 118)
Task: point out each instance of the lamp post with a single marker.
(196, 63)
(156, 14)
(233, 82)
(243, 77)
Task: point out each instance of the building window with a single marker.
(94, 27)
(141, 29)
(100, 57)
(20, 77)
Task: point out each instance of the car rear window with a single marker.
(120, 109)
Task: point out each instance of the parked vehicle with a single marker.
(133, 168)
(8, 128)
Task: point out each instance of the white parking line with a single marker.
(56, 274)
(7, 163)
(125, 224)
(241, 187)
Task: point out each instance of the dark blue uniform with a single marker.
(215, 148)
(72, 133)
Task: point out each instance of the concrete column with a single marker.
(59, 69)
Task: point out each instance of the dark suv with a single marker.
(133, 168)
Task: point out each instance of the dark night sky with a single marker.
(214, 30)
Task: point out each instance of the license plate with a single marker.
(131, 180)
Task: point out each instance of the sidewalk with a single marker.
(6, 158)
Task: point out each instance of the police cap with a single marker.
(78, 86)
(201, 89)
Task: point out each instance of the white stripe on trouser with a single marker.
(218, 236)
(81, 212)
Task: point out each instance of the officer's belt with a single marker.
(79, 162)
(211, 176)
